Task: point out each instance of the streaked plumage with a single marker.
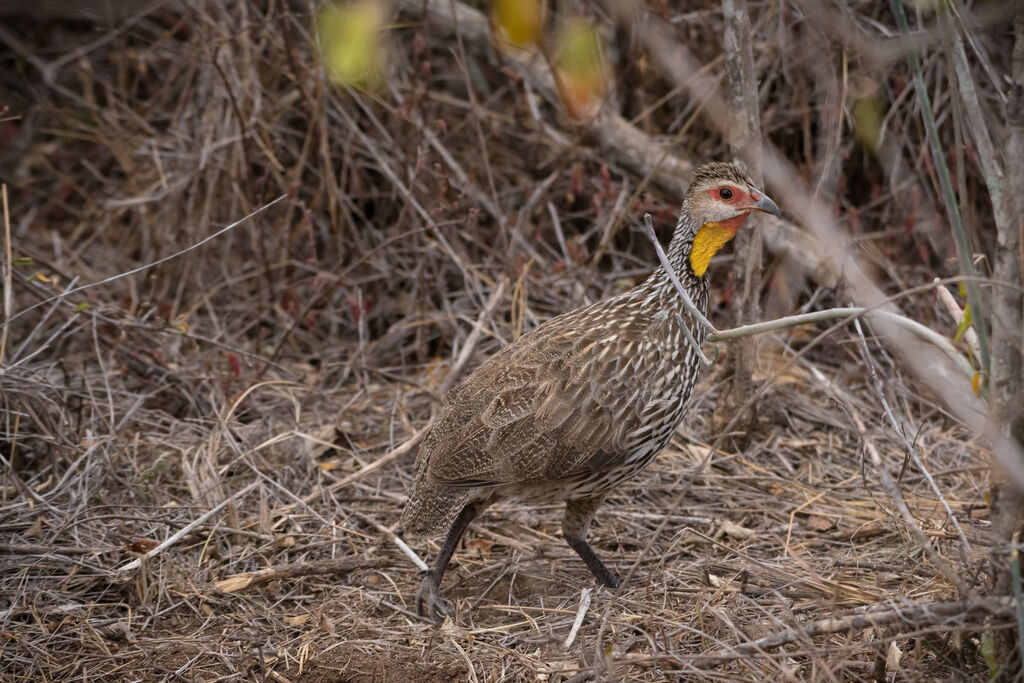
(581, 403)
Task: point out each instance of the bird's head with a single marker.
(719, 199)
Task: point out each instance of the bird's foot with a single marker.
(611, 581)
(429, 597)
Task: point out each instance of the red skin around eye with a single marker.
(738, 196)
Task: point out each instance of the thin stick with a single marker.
(989, 162)
(474, 337)
(134, 564)
(393, 537)
(580, 614)
(38, 549)
(693, 342)
(687, 301)
(165, 259)
(1018, 598)
(8, 284)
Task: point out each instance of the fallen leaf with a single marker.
(141, 546)
(820, 523)
(326, 625)
(736, 531)
(869, 530)
(892, 658)
(297, 620)
(35, 530)
(233, 583)
(480, 545)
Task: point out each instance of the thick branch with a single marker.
(744, 136)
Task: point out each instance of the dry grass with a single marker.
(256, 376)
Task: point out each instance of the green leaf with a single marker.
(965, 323)
(23, 261)
(988, 652)
(82, 307)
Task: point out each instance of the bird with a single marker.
(583, 401)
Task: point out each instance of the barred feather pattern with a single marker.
(574, 407)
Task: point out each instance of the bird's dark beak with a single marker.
(765, 204)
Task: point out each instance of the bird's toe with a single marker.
(429, 602)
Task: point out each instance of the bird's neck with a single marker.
(659, 284)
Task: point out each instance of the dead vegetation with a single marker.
(246, 413)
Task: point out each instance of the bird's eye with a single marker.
(725, 193)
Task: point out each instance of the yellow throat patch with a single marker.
(710, 238)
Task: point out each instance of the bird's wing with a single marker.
(562, 400)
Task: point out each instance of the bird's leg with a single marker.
(575, 524)
(429, 593)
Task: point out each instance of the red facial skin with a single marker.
(743, 202)
(739, 198)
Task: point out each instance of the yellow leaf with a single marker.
(350, 39)
(520, 22)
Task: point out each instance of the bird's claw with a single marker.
(429, 596)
